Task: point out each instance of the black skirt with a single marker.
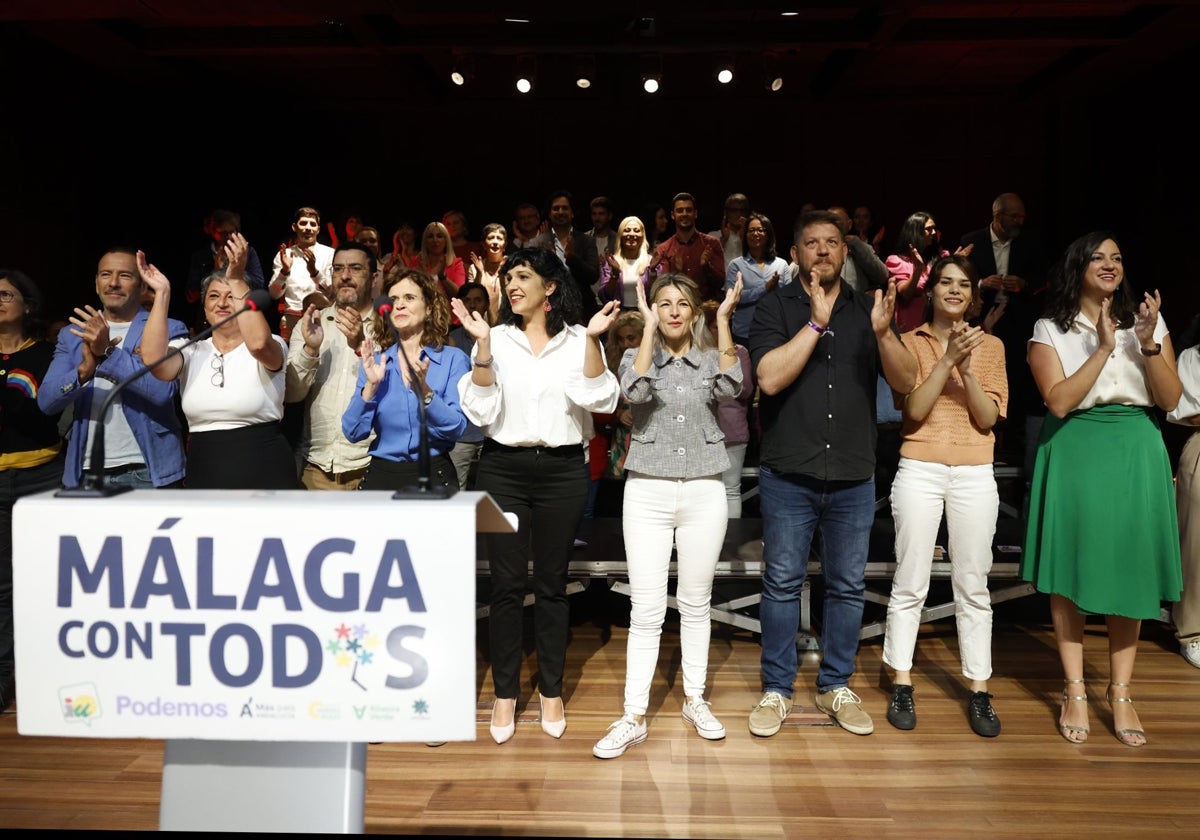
(248, 458)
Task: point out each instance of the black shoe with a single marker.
(982, 716)
(901, 711)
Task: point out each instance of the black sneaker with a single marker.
(982, 716)
(901, 711)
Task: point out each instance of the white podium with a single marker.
(267, 636)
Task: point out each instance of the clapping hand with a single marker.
(603, 320)
(962, 342)
(729, 304)
(1147, 318)
(475, 324)
(648, 312)
(884, 309)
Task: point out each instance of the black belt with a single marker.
(490, 445)
(124, 468)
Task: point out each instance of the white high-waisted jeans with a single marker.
(692, 514)
(920, 492)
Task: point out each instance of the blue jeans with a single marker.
(793, 507)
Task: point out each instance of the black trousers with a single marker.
(547, 489)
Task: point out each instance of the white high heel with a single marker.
(500, 734)
(553, 728)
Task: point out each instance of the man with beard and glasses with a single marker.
(322, 371)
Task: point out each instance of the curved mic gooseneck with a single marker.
(425, 488)
(93, 480)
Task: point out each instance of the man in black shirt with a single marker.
(817, 347)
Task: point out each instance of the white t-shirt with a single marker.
(231, 390)
(1122, 381)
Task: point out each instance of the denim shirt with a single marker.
(148, 404)
(674, 405)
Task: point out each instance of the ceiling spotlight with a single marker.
(651, 73)
(463, 70)
(725, 70)
(526, 73)
(772, 78)
(585, 71)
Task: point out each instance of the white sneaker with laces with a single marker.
(696, 712)
(1191, 651)
(621, 735)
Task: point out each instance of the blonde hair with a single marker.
(423, 255)
(612, 351)
(701, 338)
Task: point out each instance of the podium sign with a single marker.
(248, 615)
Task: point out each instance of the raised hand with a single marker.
(373, 368)
(349, 324)
(612, 263)
(475, 324)
(151, 276)
(603, 320)
(770, 284)
(311, 330)
(884, 309)
(1147, 318)
(732, 295)
(88, 323)
(285, 258)
(311, 259)
(964, 250)
(706, 255)
(649, 313)
(1106, 330)
(961, 344)
(822, 304)
(237, 251)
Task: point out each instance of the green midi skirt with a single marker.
(1103, 529)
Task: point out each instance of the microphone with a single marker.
(93, 486)
(425, 488)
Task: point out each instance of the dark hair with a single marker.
(682, 196)
(301, 212)
(461, 294)
(601, 201)
(968, 268)
(437, 318)
(1067, 284)
(557, 194)
(566, 304)
(491, 226)
(355, 245)
(769, 250)
(32, 323)
(911, 233)
(814, 217)
(220, 216)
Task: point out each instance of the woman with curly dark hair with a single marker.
(385, 400)
(1103, 536)
(538, 376)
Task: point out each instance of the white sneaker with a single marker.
(1191, 651)
(697, 713)
(622, 735)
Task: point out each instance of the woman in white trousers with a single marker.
(946, 457)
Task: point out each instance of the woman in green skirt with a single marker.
(1103, 538)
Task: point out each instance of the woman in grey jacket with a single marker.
(674, 495)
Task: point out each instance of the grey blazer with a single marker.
(674, 405)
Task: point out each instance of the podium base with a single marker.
(267, 786)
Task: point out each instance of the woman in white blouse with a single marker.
(537, 377)
(231, 384)
(1102, 537)
(1186, 613)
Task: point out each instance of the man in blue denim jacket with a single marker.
(143, 434)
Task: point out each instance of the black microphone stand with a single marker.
(425, 488)
(93, 486)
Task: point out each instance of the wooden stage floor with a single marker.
(810, 780)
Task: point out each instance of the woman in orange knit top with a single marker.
(946, 459)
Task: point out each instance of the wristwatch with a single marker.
(428, 398)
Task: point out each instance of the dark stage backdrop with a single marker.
(89, 161)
